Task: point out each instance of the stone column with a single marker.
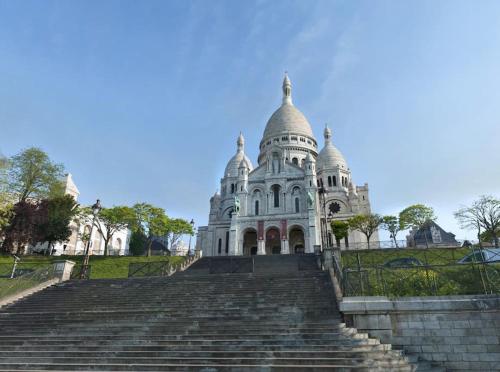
(261, 247)
(285, 249)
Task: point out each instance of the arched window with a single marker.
(329, 181)
(227, 242)
(232, 188)
(256, 207)
(297, 205)
(295, 161)
(219, 248)
(276, 195)
(321, 182)
(334, 181)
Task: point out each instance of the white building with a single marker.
(275, 208)
(119, 245)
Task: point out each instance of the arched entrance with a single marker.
(296, 240)
(273, 242)
(250, 242)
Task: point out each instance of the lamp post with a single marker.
(95, 211)
(190, 235)
(324, 234)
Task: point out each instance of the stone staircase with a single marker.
(280, 317)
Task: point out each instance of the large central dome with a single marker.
(287, 119)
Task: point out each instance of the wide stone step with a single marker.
(194, 367)
(201, 354)
(213, 361)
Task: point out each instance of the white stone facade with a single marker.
(275, 208)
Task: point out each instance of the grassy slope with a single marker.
(102, 267)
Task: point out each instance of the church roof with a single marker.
(287, 119)
(329, 157)
(234, 163)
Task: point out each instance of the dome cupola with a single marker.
(330, 157)
(233, 164)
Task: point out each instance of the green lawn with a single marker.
(377, 257)
(101, 267)
(366, 275)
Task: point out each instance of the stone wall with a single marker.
(456, 332)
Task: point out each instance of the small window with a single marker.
(302, 139)
(232, 188)
(268, 142)
(256, 207)
(219, 248)
(297, 205)
(309, 142)
(295, 161)
(334, 179)
(329, 181)
(276, 140)
(276, 194)
(227, 242)
(285, 138)
(241, 188)
(293, 138)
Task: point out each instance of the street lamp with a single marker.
(323, 220)
(95, 211)
(190, 235)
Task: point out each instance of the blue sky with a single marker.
(143, 101)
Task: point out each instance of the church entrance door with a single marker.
(250, 242)
(273, 242)
(296, 240)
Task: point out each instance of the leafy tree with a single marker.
(151, 221)
(177, 227)
(32, 174)
(393, 225)
(55, 216)
(366, 224)
(340, 229)
(21, 227)
(6, 205)
(137, 243)
(483, 214)
(417, 216)
(112, 220)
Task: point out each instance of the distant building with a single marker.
(180, 249)
(119, 246)
(430, 235)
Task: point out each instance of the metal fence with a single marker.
(419, 272)
(10, 287)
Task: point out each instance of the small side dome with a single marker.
(244, 163)
(330, 157)
(233, 164)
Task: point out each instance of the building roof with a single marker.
(287, 118)
(234, 163)
(330, 157)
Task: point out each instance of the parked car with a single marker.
(486, 255)
(403, 262)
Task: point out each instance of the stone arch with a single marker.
(273, 240)
(296, 239)
(228, 212)
(249, 239)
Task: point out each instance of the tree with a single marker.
(112, 220)
(417, 216)
(483, 214)
(366, 224)
(151, 221)
(54, 218)
(20, 229)
(176, 228)
(137, 243)
(340, 230)
(393, 225)
(6, 205)
(32, 174)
